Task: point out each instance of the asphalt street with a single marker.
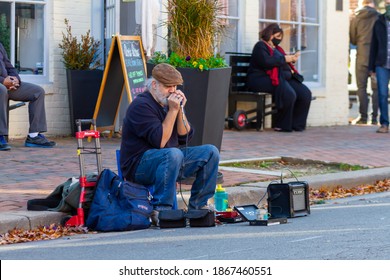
(346, 229)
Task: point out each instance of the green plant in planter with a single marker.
(5, 33)
(194, 28)
(81, 60)
(83, 55)
(188, 61)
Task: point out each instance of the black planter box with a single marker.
(207, 94)
(83, 89)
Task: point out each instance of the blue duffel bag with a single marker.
(119, 205)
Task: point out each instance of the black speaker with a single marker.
(288, 200)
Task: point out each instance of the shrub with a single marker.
(77, 55)
(194, 29)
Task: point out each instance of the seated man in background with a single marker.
(12, 88)
(153, 128)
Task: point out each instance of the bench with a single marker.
(238, 91)
(15, 105)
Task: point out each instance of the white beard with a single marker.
(161, 98)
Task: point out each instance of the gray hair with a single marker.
(148, 83)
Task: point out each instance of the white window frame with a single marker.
(237, 18)
(31, 77)
(320, 33)
(112, 18)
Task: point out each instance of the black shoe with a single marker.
(359, 121)
(39, 141)
(3, 144)
(278, 129)
(374, 122)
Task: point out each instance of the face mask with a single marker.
(276, 41)
(387, 13)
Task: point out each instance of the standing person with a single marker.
(360, 35)
(11, 87)
(379, 64)
(153, 128)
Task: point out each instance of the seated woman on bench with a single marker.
(272, 70)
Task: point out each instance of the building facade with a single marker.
(319, 28)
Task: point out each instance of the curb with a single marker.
(245, 194)
(28, 220)
(346, 179)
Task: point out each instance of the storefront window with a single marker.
(267, 9)
(230, 17)
(22, 34)
(300, 21)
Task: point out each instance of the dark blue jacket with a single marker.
(378, 50)
(142, 131)
(6, 68)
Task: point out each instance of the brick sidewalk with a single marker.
(33, 173)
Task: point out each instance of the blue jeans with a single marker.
(382, 77)
(162, 167)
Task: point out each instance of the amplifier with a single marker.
(288, 200)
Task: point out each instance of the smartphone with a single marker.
(297, 51)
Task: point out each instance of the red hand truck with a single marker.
(79, 219)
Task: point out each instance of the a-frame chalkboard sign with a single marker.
(125, 70)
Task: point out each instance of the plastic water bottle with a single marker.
(220, 199)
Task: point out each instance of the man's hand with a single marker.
(177, 100)
(182, 97)
(11, 83)
(183, 126)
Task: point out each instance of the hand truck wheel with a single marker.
(240, 120)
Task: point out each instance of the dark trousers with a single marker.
(361, 82)
(296, 99)
(27, 92)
